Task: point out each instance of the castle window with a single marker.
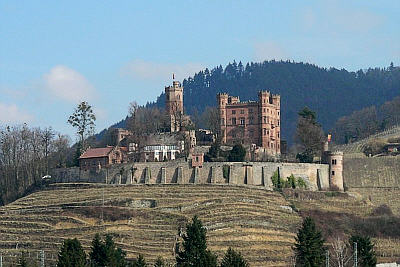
(233, 121)
(242, 121)
(265, 131)
(278, 113)
(278, 122)
(264, 110)
(222, 121)
(265, 119)
(278, 135)
(233, 111)
(333, 173)
(334, 162)
(222, 112)
(264, 100)
(250, 110)
(251, 120)
(242, 111)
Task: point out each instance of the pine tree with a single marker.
(159, 262)
(71, 254)
(106, 253)
(309, 247)
(139, 262)
(195, 253)
(365, 250)
(98, 252)
(233, 259)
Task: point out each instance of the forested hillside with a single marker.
(332, 93)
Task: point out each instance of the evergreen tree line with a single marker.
(332, 93)
(309, 251)
(105, 253)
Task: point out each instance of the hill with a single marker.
(332, 93)
(146, 219)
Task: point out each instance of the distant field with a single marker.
(146, 219)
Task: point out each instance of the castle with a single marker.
(251, 122)
(255, 123)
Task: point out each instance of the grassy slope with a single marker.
(146, 219)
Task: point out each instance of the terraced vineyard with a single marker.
(146, 219)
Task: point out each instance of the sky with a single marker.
(54, 54)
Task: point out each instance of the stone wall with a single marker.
(251, 173)
(372, 172)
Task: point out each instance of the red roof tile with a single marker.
(96, 152)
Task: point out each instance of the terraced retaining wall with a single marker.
(372, 172)
(181, 172)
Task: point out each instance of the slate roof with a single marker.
(96, 152)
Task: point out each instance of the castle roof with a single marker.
(96, 152)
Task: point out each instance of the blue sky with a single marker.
(110, 53)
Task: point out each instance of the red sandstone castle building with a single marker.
(251, 122)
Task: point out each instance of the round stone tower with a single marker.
(335, 160)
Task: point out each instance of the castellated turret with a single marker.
(335, 161)
(174, 98)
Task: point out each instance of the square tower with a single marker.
(174, 105)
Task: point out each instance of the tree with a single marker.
(210, 118)
(139, 262)
(83, 119)
(237, 154)
(106, 253)
(115, 256)
(159, 262)
(365, 250)
(195, 252)
(309, 135)
(309, 246)
(71, 254)
(98, 252)
(233, 259)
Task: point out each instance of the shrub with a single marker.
(374, 147)
(301, 183)
(382, 210)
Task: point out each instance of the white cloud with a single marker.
(269, 50)
(68, 84)
(147, 70)
(12, 114)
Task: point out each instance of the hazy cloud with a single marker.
(339, 17)
(12, 114)
(269, 50)
(68, 84)
(147, 70)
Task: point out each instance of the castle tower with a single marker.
(335, 160)
(174, 104)
(222, 100)
(174, 98)
(263, 100)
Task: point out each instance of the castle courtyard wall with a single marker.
(181, 172)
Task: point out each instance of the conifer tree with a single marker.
(233, 259)
(195, 252)
(159, 262)
(309, 247)
(106, 253)
(365, 250)
(71, 254)
(139, 262)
